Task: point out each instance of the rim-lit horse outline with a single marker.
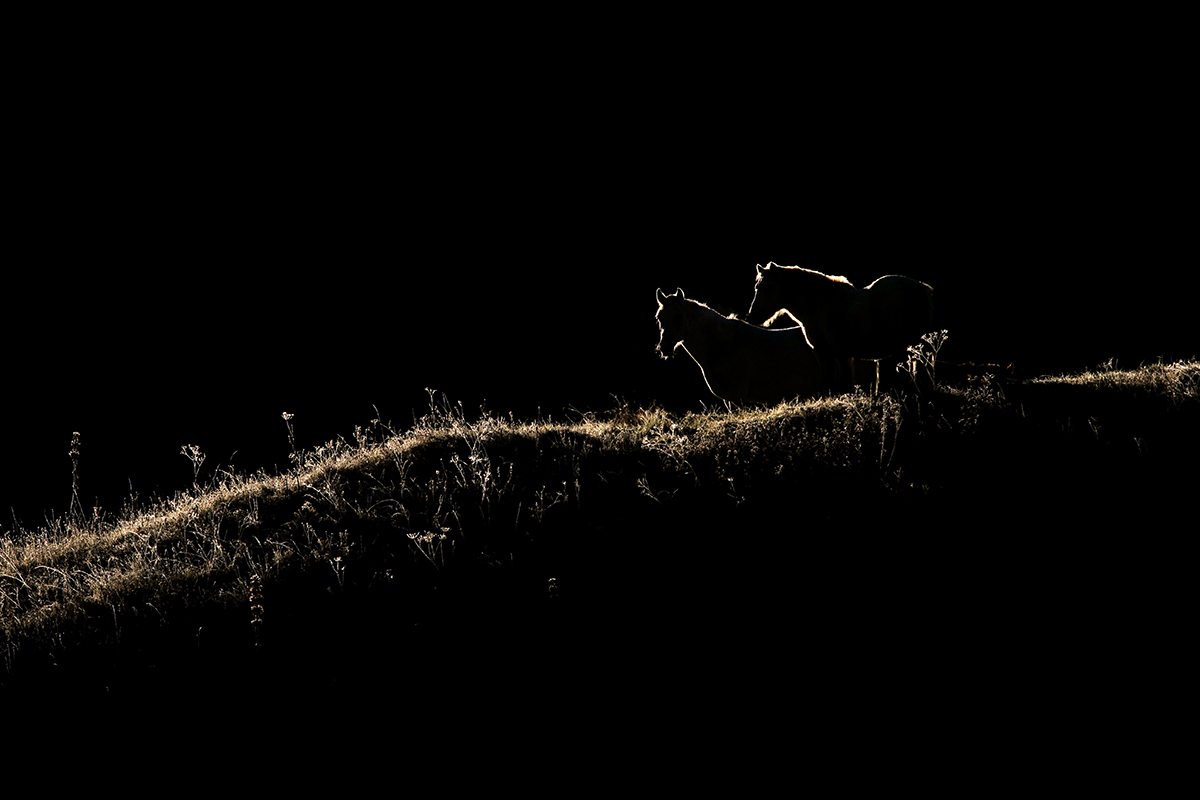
(841, 320)
(740, 362)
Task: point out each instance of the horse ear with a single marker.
(658, 295)
(679, 292)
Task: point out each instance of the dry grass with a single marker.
(495, 528)
(1175, 381)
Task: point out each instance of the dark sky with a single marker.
(188, 265)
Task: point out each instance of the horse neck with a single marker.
(704, 329)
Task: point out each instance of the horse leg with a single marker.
(847, 375)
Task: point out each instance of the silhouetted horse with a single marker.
(741, 363)
(843, 321)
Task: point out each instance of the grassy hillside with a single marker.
(961, 533)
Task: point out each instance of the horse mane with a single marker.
(834, 278)
(732, 315)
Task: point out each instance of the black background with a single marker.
(199, 248)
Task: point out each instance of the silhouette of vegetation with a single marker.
(989, 517)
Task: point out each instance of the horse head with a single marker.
(670, 320)
(766, 295)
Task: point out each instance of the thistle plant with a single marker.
(291, 434)
(429, 544)
(76, 507)
(918, 356)
(197, 458)
(256, 607)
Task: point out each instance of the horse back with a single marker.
(887, 316)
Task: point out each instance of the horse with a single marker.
(740, 362)
(843, 321)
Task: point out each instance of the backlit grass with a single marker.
(621, 527)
